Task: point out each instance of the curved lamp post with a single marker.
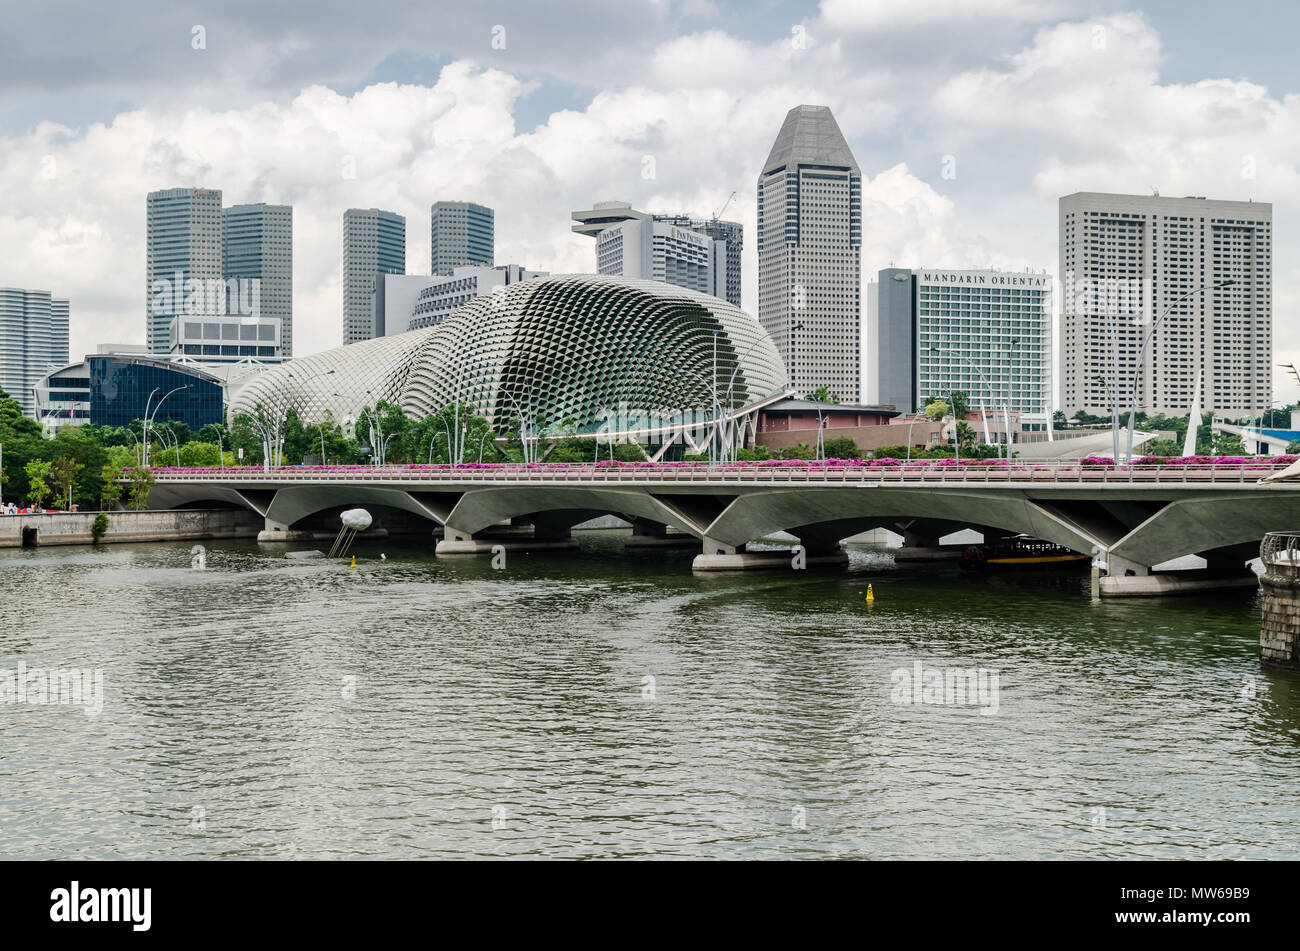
(988, 386)
(729, 424)
(1137, 369)
(154, 415)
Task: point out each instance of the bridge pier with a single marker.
(648, 534)
(457, 541)
(718, 556)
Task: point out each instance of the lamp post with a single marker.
(154, 415)
(1114, 415)
(732, 380)
(992, 396)
(1137, 369)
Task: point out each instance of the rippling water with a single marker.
(422, 707)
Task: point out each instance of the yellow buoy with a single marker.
(871, 595)
(354, 561)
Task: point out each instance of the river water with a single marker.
(610, 704)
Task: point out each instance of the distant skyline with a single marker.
(968, 119)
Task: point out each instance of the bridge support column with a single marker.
(457, 541)
(718, 556)
(648, 534)
(925, 547)
(280, 532)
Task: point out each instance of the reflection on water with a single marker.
(609, 704)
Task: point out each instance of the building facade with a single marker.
(257, 244)
(701, 255)
(374, 243)
(122, 387)
(183, 258)
(1126, 259)
(409, 302)
(933, 331)
(33, 336)
(809, 253)
(227, 339)
(461, 234)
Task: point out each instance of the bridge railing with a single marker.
(864, 477)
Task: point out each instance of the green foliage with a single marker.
(841, 447)
(99, 526)
(1227, 444)
(112, 489)
(63, 475)
(142, 480)
(1161, 447)
(1293, 447)
(823, 395)
(195, 454)
(757, 454)
(797, 451)
(629, 452)
(38, 489)
(936, 409)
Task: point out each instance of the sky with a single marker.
(968, 118)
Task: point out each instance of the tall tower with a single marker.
(257, 244)
(374, 243)
(461, 234)
(1125, 259)
(183, 259)
(809, 253)
(33, 336)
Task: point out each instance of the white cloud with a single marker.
(861, 15)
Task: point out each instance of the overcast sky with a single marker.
(539, 108)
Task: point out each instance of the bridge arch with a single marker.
(758, 514)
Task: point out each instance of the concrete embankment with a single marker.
(74, 528)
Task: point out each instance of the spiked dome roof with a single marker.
(575, 348)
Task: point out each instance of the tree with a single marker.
(98, 527)
(142, 480)
(960, 403)
(63, 473)
(797, 451)
(37, 488)
(112, 489)
(936, 409)
(1059, 420)
(1161, 447)
(823, 395)
(1227, 444)
(965, 435)
(1293, 447)
(841, 447)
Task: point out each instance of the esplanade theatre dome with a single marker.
(569, 347)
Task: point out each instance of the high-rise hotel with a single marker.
(809, 253)
(374, 243)
(1125, 259)
(932, 331)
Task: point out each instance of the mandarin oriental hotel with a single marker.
(987, 333)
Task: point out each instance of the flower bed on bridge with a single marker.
(1018, 465)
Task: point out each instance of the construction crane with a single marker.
(718, 214)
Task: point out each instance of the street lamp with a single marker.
(1137, 369)
(154, 415)
(728, 425)
(988, 386)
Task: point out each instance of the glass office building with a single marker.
(123, 387)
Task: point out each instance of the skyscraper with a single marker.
(374, 243)
(33, 335)
(809, 253)
(257, 243)
(677, 249)
(183, 258)
(461, 233)
(1124, 259)
(986, 333)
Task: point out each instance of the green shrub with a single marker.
(99, 526)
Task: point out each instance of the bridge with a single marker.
(1132, 518)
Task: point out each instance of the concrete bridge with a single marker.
(1130, 518)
